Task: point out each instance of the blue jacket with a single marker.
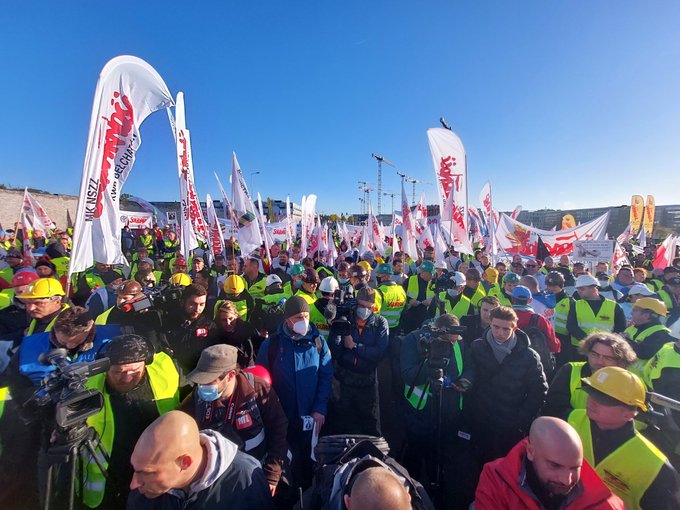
(34, 345)
(372, 342)
(300, 375)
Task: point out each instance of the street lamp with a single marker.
(251, 181)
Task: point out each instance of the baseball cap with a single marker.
(639, 289)
(602, 276)
(510, 277)
(522, 293)
(214, 361)
(586, 280)
(146, 260)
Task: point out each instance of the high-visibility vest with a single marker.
(479, 294)
(7, 273)
(4, 396)
(418, 397)
(461, 308)
(633, 335)
(317, 318)
(578, 396)
(629, 470)
(34, 323)
(148, 242)
(560, 316)
(498, 292)
(61, 263)
(103, 317)
(6, 297)
(589, 322)
(412, 288)
(310, 298)
(164, 381)
(393, 300)
(170, 248)
(257, 289)
(667, 357)
(665, 296)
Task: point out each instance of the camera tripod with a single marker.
(71, 446)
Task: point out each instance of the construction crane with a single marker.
(414, 182)
(367, 195)
(381, 160)
(392, 195)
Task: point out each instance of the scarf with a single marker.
(500, 350)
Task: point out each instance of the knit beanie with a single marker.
(294, 306)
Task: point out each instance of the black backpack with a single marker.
(341, 458)
(539, 343)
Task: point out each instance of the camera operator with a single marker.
(419, 293)
(187, 330)
(432, 363)
(242, 407)
(452, 298)
(138, 387)
(356, 358)
(317, 310)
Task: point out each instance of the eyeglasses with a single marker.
(531, 265)
(597, 356)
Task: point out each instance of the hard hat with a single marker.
(586, 280)
(129, 287)
(43, 288)
(427, 267)
(272, 279)
(297, 269)
(179, 261)
(234, 284)
(24, 278)
(510, 277)
(441, 264)
(182, 279)
(329, 284)
(619, 384)
(653, 305)
(460, 278)
(385, 269)
(366, 265)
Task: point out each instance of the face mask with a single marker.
(363, 313)
(301, 327)
(297, 283)
(604, 283)
(452, 292)
(208, 392)
(343, 281)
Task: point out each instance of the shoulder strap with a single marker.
(534, 321)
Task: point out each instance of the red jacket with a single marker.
(523, 320)
(499, 488)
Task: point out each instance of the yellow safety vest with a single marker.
(461, 308)
(560, 316)
(310, 298)
(479, 294)
(61, 263)
(148, 242)
(666, 298)
(6, 297)
(34, 323)
(4, 396)
(498, 292)
(103, 317)
(421, 393)
(164, 381)
(667, 357)
(629, 470)
(392, 302)
(631, 332)
(412, 288)
(319, 320)
(257, 289)
(589, 322)
(578, 396)
(7, 273)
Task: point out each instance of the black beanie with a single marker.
(294, 306)
(126, 349)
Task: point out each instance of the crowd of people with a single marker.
(519, 384)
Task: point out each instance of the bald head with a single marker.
(377, 488)
(556, 453)
(168, 455)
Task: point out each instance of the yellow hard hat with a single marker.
(182, 279)
(653, 305)
(234, 284)
(366, 265)
(43, 288)
(619, 384)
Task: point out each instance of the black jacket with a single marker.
(508, 395)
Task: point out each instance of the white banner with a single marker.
(515, 237)
(593, 251)
(128, 91)
(277, 231)
(34, 216)
(159, 217)
(136, 220)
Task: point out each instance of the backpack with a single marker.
(539, 343)
(341, 458)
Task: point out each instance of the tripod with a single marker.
(71, 445)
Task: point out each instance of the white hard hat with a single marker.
(272, 279)
(329, 284)
(586, 280)
(460, 278)
(440, 264)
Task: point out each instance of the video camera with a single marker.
(444, 282)
(339, 312)
(65, 387)
(660, 413)
(433, 347)
(158, 297)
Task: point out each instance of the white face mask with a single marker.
(301, 327)
(452, 292)
(363, 313)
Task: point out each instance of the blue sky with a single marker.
(559, 104)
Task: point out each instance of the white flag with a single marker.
(642, 238)
(408, 241)
(308, 213)
(193, 225)
(216, 239)
(249, 237)
(265, 236)
(35, 216)
(228, 210)
(289, 227)
(128, 91)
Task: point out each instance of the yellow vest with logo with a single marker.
(419, 395)
(629, 470)
(667, 357)
(61, 263)
(393, 300)
(412, 288)
(164, 381)
(589, 322)
(578, 396)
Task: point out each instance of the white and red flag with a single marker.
(665, 253)
(249, 236)
(34, 215)
(408, 239)
(216, 239)
(127, 92)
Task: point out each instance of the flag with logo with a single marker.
(637, 211)
(158, 216)
(35, 217)
(127, 92)
(648, 221)
(216, 239)
(408, 239)
(249, 237)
